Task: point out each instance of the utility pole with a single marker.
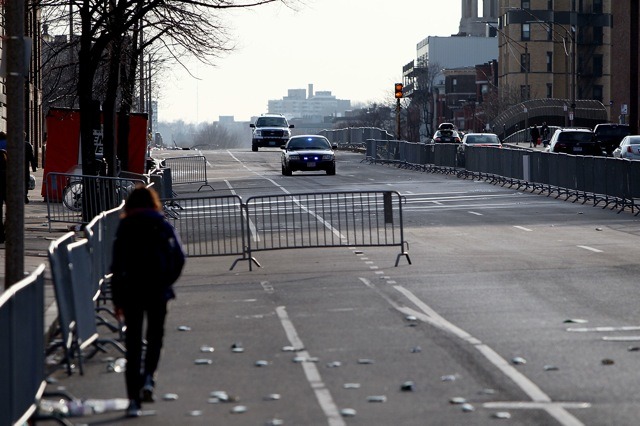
(399, 94)
(633, 71)
(15, 83)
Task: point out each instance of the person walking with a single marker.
(535, 135)
(147, 259)
(30, 163)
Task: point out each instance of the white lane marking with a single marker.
(233, 191)
(621, 338)
(476, 213)
(595, 250)
(604, 329)
(522, 228)
(311, 371)
(535, 405)
(430, 316)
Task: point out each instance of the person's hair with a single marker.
(3, 135)
(142, 197)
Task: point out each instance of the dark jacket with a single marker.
(144, 251)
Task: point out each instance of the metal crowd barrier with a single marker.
(68, 200)
(188, 170)
(22, 375)
(606, 181)
(76, 285)
(212, 226)
(337, 219)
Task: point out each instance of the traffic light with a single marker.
(398, 90)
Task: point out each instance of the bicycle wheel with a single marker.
(72, 197)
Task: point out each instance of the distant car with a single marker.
(575, 141)
(309, 153)
(628, 148)
(481, 139)
(609, 135)
(446, 136)
(270, 130)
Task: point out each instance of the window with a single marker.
(549, 90)
(549, 61)
(597, 93)
(597, 35)
(597, 65)
(526, 32)
(524, 62)
(526, 4)
(550, 31)
(524, 92)
(597, 6)
(549, 4)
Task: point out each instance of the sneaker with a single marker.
(134, 409)
(147, 390)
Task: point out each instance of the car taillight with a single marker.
(629, 149)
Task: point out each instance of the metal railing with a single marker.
(188, 170)
(337, 219)
(22, 376)
(77, 199)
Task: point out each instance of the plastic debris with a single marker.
(575, 321)
(448, 378)
(633, 348)
(351, 386)
(607, 361)
(170, 397)
(195, 413)
(467, 408)
(503, 415)
(411, 318)
(220, 396)
(348, 412)
(457, 400)
(365, 361)
(298, 359)
(550, 367)
(117, 366)
(239, 409)
(377, 398)
(518, 360)
(261, 363)
(274, 422)
(237, 347)
(334, 364)
(184, 328)
(203, 361)
(416, 349)
(598, 229)
(488, 391)
(407, 386)
(313, 359)
(272, 397)
(206, 349)
(291, 349)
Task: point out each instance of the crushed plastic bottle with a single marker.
(117, 366)
(51, 407)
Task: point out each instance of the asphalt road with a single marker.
(519, 304)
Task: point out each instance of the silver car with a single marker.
(629, 148)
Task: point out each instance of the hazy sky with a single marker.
(353, 48)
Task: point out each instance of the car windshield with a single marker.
(271, 122)
(618, 131)
(482, 139)
(308, 143)
(575, 137)
(634, 141)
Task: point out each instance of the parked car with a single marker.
(446, 126)
(446, 136)
(481, 139)
(628, 148)
(609, 135)
(308, 152)
(575, 141)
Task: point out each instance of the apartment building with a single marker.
(558, 49)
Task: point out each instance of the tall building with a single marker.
(300, 103)
(473, 25)
(556, 49)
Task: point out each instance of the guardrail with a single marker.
(76, 199)
(188, 170)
